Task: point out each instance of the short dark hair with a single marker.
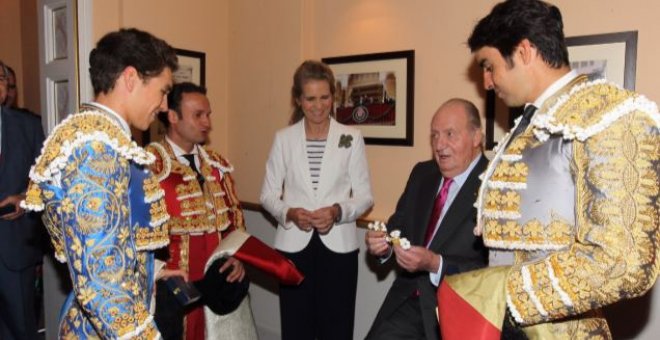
(308, 70)
(175, 96)
(512, 21)
(128, 47)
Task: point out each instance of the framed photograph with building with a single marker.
(192, 68)
(375, 93)
(612, 56)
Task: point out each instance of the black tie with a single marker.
(524, 121)
(191, 159)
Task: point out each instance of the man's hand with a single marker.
(14, 200)
(165, 273)
(417, 259)
(323, 219)
(376, 243)
(302, 218)
(237, 270)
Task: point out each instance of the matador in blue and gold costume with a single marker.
(104, 211)
(573, 200)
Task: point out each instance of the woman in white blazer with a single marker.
(316, 186)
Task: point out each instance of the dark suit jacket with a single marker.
(22, 138)
(460, 249)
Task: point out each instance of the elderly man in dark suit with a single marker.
(21, 138)
(436, 214)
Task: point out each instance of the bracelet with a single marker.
(338, 217)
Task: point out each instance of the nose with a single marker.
(163, 104)
(488, 81)
(206, 121)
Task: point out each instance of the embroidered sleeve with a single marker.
(616, 249)
(98, 245)
(231, 201)
(235, 213)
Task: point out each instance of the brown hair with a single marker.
(308, 70)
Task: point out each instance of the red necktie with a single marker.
(437, 209)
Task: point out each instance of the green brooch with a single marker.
(345, 141)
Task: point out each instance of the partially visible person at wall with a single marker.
(436, 213)
(316, 186)
(11, 99)
(569, 204)
(103, 208)
(203, 207)
(21, 137)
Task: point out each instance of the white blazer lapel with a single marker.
(300, 153)
(329, 155)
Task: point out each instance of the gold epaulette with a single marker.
(583, 111)
(76, 130)
(216, 160)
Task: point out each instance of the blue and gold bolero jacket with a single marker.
(104, 212)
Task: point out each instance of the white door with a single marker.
(60, 45)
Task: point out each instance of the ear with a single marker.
(129, 76)
(526, 51)
(477, 138)
(172, 116)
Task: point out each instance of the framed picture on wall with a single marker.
(192, 68)
(375, 93)
(612, 56)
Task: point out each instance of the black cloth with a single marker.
(323, 306)
(169, 313)
(524, 121)
(220, 296)
(191, 159)
(21, 240)
(461, 251)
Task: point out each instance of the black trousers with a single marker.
(323, 306)
(17, 316)
(404, 323)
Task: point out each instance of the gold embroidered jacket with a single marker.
(575, 197)
(197, 209)
(104, 211)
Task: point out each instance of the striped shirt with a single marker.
(315, 149)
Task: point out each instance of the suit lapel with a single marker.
(460, 207)
(4, 152)
(426, 198)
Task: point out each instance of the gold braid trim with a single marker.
(617, 243)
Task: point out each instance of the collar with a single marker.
(178, 151)
(463, 176)
(553, 88)
(113, 114)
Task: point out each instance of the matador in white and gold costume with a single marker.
(104, 212)
(570, 208)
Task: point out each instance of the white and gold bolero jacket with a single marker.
(575, 197)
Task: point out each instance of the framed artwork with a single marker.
(375, 93)
(612, 56)
(192, 68)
